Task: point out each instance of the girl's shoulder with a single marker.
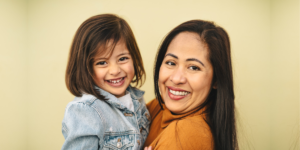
(85, 99)
(88, 103)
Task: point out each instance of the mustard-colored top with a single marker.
(183, 132)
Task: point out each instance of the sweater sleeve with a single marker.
(186, 134)
(82, 127)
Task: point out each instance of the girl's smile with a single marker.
(116, 82)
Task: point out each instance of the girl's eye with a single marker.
(194, 68)
(123, 58)
(170, 63)
(101, 63)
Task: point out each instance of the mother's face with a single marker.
(185, 76)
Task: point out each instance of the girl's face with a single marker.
(185, 76)
(114, 71)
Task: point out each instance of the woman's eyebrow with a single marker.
(172, 55)
(194, 59)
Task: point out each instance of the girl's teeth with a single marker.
(115, 81)
(182, 93)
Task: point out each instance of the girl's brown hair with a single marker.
(92, 34)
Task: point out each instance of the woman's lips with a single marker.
(176, 93)
(116, 82)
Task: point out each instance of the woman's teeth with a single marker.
(115, 81)
(181, 93)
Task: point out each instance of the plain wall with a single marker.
(36, 37)
(284, 67)
(13, 75)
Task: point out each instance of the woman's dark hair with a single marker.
(220, 110)
(93, 36)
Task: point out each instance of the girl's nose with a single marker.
(114, 69)
(178, 77)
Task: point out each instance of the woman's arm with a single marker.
(82, 127)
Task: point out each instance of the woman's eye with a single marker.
(101, 63)
(170, 63)
(194, 68)
(123, 58)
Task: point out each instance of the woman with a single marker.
(194, 106)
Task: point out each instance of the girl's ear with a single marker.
(215, 85)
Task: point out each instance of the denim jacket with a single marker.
(93, 124)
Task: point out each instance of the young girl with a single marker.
(107, 113)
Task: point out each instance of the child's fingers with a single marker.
(148, 148)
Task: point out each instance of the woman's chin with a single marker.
(174, 108)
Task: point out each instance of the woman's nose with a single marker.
(114, 69)
(178, 77)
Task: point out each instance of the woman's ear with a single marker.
(215, 85)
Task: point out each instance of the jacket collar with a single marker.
(135, 94)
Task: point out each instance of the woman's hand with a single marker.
(148, 148)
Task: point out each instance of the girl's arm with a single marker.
(82, 127)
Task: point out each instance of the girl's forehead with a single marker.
(112, 49)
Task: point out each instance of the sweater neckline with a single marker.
(168, 117)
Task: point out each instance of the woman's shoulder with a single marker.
(152, 104)
(188, 133)
(153, 108)
(194, 126)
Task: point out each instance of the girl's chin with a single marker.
(118, 94)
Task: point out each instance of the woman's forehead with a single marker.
(187, 44)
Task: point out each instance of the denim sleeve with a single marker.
(82, 127)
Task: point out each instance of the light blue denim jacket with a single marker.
(93, 124)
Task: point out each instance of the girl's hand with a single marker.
(148, 148)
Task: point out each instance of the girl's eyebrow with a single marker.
(123, 54)
(197, 60)
(99, 58)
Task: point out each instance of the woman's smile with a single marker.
(176, 93)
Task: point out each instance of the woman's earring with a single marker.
(215, 86)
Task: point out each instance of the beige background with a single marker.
(35, 37)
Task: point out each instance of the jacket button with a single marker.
(138, 141)
(127, 114)
(119, 144)
(148, 116)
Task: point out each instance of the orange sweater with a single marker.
(187, 131)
